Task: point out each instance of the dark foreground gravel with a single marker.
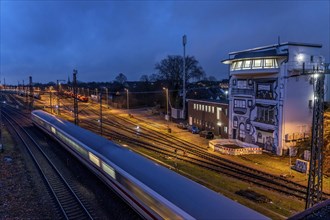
(22, 193)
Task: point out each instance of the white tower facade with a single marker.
(270, 95)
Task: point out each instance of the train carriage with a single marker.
(153, 190)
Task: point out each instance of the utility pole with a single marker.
(50, 100)
(127, 98)
(25, 93)
(166, 93)
(58, 94)
(101, 130)
(75, 98)
(184, 42)
(314, 189)
(31, 94)
(107, 96)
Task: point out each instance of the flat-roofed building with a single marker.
(209, 115)
(271, 94)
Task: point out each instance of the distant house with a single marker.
(224, 84)
(270, 95)
(209, 115)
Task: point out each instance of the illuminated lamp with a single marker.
(315, 75)
(300, 57)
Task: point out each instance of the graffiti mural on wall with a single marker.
(255, 115)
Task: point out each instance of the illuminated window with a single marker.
(247, 64)
(233, 66)
(257, 64)
(238, 65)
(194, 106)
(218, 112)
(239, 103)
(94, 159)
(109, 170)
(269, 63)
(254, 64)
(212, 109)
(235, 122)
(241, 131)
(242, 84)
(225, 129)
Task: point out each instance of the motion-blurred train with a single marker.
(81, 98)
(154, 191)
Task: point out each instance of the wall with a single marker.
(205, 116)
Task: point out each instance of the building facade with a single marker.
(271, 94)
(209, 115)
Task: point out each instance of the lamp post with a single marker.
(166, 91)
(101, 128)
(184, 42)
(58, 94)
(127, 98)
(107, 96)
(50, 99)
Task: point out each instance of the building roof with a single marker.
(265, 51)
(220, 101)
(278, 45)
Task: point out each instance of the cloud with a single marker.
(47, 39)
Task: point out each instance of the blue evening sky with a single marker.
(48, 39)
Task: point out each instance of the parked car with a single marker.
(182, 125)
(193, 129)
(207, 134)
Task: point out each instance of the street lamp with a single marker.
(101, 128)
(50, 99)
(166, 90)
(184, 42)
(127, 98)
(107, 96)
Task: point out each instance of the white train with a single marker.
(152, 190)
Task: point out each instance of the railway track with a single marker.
(233, 170)
(169, 145)
(69, 204)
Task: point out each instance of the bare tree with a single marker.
(121, 78)
(144, 78)
(170, 70)
(153, 77)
